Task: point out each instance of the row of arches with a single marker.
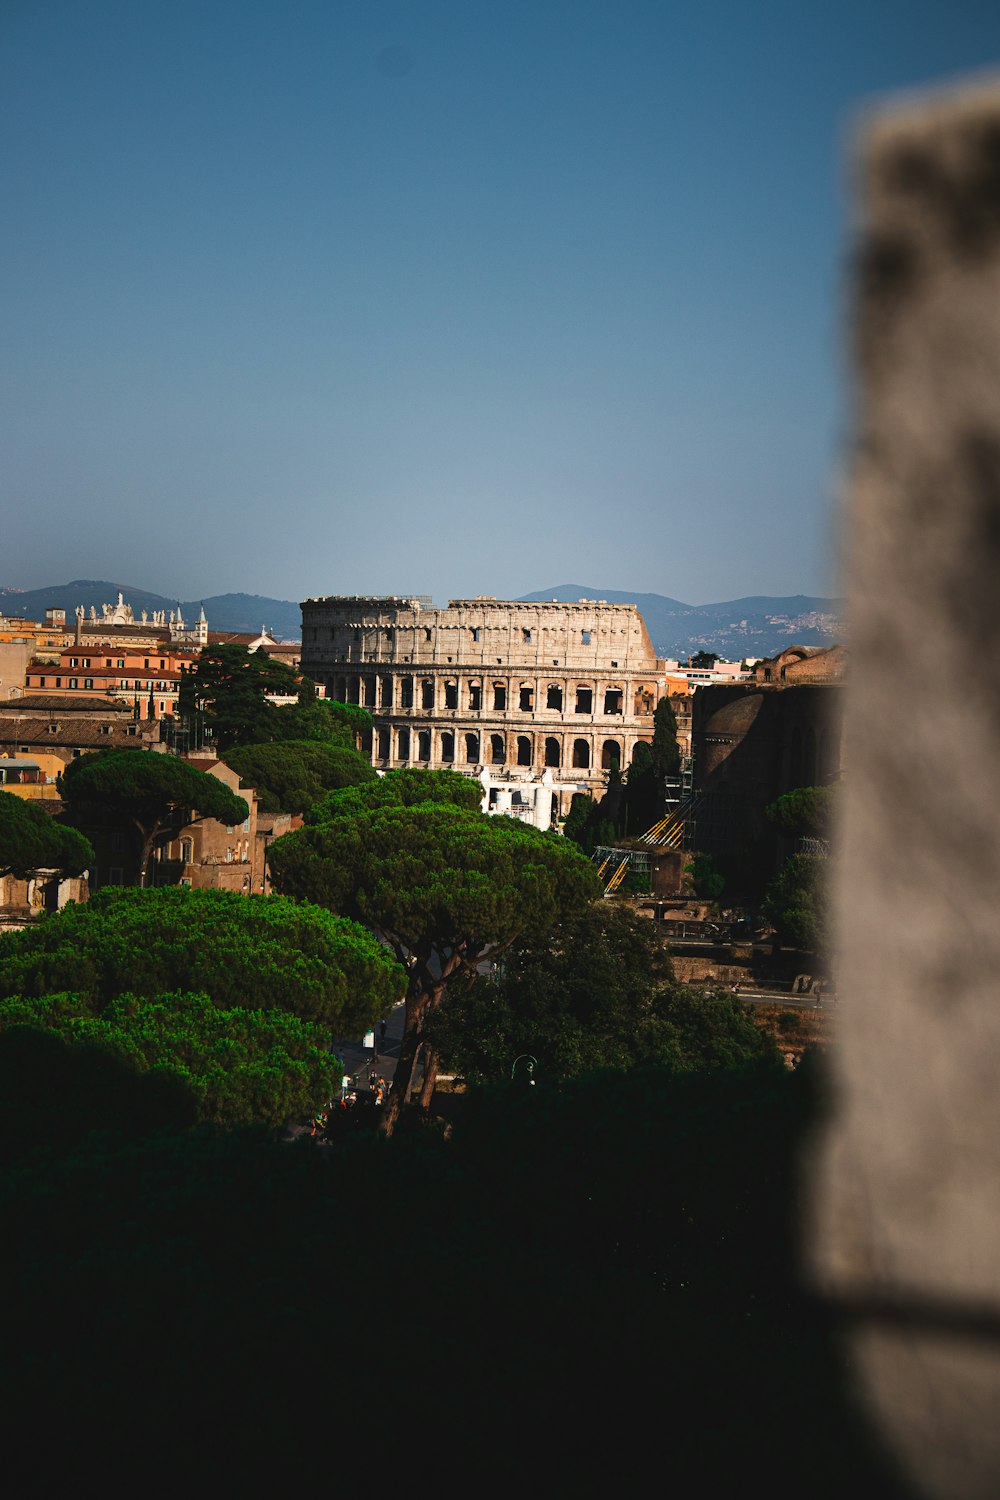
(472, 748)
(478, 695)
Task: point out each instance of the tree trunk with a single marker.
(430, 1075)
(409, 1047)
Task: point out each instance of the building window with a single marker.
(427, 634)
(427, 693)
(475, 697)
(475, 632)
(448, 746)
(88, 682)
(451, 695)
(586, 637)
(499, 695)
(403, 744)
(386, 692)
(406, 694)
(383, 744)
(496, 749)
(611, 756)
(584, 701)
(527, 637)
(613, 701)
(523, 750)
(73, 661)
(121, 662)
(58, 682)
(526, 701)
(74, 682)
(581, 755)
(554, 697)
(424, 745)
(552, 751)
(471, 749)
(41, 682)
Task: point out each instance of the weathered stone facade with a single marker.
(568, 688)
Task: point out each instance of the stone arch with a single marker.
(554, 696)
(553, 751)
(403, 744)
(471, 749)
(424, 744)
(611, 756)
(524, 749)
(581, 755)
(447, 745)
(383, 744)
(498, 752)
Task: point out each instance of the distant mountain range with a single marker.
(240, 612)
(755, 626)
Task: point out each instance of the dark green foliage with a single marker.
(146, 787)
(291, 775)
(31, 840)
(704, 659)
(430, 875)
(155, 794)
(805, 812)
(446, 887)
(666, 751)
(595, 992)
(587, 823)
(614, 1257)
(207, 1066)
(409, 787)
(229, 689)
(643, 800)
(253, 952)
(795, 903)
(706, 880)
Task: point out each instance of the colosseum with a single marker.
(547, 692)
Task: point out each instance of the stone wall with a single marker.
(566, 687)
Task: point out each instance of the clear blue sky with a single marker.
(447, 297)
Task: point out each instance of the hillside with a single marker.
(757, 625)
(225, 611)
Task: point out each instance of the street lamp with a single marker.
(532, 1065)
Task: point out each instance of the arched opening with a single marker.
(635, 748)
(369, 692)
(383, 744)
(427, 693)
(497, 754)
(581, 755)
(611, 756)
(403, 744)
(340, 689)
(354, 690)
(424, 745)
(554, 696)
(475, 697)
(523, 750)
(187, 851)
(451, 694)
(386, 692)
(447, 746)
(526, 698)
(552, 755)
(406, 693)
(471, 749)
